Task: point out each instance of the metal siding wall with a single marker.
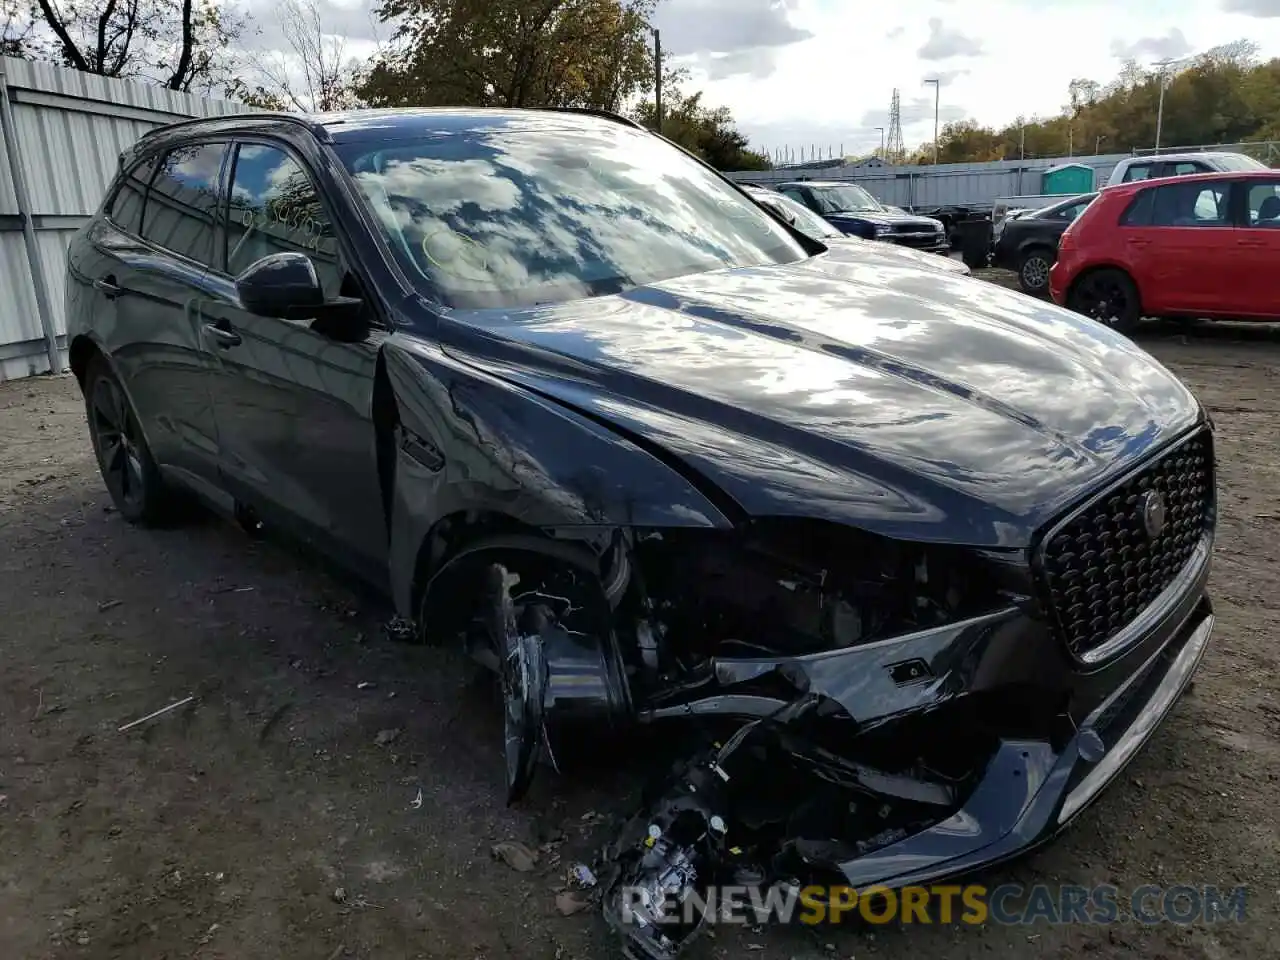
(70, 130)
(19, 320)
(941, 185)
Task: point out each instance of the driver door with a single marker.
(293, 400)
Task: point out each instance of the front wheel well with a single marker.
(459, 542)
(1037, 246)
(80, 354)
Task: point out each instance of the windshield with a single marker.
(517, 215)
(798, 215)
(844, 198)
(1239, 161)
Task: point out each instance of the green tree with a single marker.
(1222, 96)
(708, 132)
(512, 53)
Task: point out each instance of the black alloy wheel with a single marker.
(1109, 297)
(128, 470)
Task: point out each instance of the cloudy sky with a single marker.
(821, 72)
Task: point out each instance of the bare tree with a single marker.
(175, 43)
(313, 72)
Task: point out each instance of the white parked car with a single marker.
(1180, 165)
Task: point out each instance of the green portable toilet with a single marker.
(1067, 179)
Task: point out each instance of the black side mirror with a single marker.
(286, 285)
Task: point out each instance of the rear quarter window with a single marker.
(1138, 213)
(126, 206)
(182, 205)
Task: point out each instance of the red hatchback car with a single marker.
(1193, 246)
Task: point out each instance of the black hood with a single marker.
(911, 402)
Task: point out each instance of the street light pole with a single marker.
(1163, 65)
(937, 97)
(657, 79)
(881, 129)
(1097, 142)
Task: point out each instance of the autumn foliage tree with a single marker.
(1223, 96)
(512, 53)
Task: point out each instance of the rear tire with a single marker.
(128, 469)
(1108, 296)
(1033, 272)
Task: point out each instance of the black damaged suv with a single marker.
(925, 558)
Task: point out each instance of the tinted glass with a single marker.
(126, 206)
(1139, 171)
(275, 208)
(525, 214)
(1190, 205)
(1185, 167)
(182, 206)
(1264, 205)
(846, 198)
(1065, 211)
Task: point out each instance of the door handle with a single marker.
(1249, 243)
(224, 337)
(107, 287)
(1138, 242)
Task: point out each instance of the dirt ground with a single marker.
(331, 794)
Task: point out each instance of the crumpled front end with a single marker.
(869, 713)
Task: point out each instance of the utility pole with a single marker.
(1097, 142)
(881, 129)
(657, 78)
(937, 97)
(1164, 66)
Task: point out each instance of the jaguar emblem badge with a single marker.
(1151, 507)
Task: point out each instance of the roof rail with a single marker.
(597, 112)
(295, 118)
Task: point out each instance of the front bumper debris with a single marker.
(787, 802)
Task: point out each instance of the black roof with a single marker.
(352, 125)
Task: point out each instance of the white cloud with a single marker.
(946, 42)
(820, 73)
(1172, 44)
(833, 87)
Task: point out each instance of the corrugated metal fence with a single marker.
(62, 133)
(944, 184)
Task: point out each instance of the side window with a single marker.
(126, 205)
(275, 208)
(1068, 213)
(1073, 212)
(1186, 167)
(182, 207)
(1190, 205)
(1264, 205)
(1139, 171)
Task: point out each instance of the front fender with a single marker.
(468, 441)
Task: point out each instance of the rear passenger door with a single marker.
(154, 277)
